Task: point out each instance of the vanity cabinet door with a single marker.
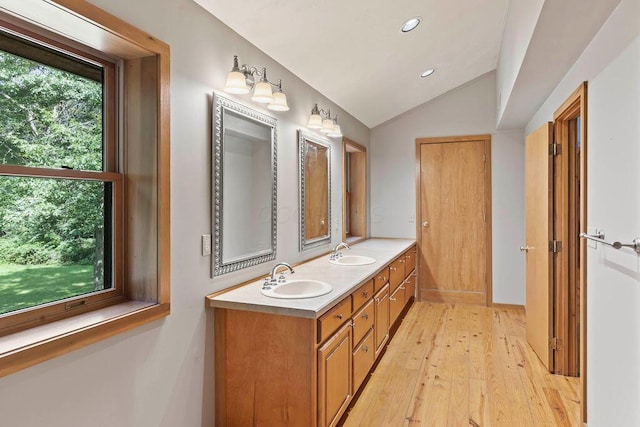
(396, 303)
(335, 387)
(410, 260)
(410, 284)
(381, 327)
(396, 273)
(363, 358)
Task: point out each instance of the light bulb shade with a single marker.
(337, 132)
(236, 83)
(327, 126)
(315, 122)
(279, 102)
(262, 93)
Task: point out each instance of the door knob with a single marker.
(524, 248)
(425, 224)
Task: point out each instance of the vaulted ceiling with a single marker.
(353, 52)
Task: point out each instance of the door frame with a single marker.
(572, 335)
(486, 140)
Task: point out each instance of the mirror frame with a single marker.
(221, 103)
(304, 138)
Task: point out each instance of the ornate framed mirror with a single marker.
(244, 186)
(315, 190)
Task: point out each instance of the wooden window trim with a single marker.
(146, 159)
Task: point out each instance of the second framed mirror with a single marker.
(315, 190)
(354, 193)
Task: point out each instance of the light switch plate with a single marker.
(206, 244)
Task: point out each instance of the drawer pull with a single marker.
(402, 287)
(392, 299)
(365, 294)
(377, 300)
(392, 268)
(401, 261)
(365, 348)
(339, 316)
(407, 256)
(366, 316)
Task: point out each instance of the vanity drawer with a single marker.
(334, 318)
(363, 358)
(362, 295)
(381, 279)
(363, 321)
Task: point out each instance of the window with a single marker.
(58, 183)
(84, 181)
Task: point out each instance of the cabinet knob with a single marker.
(365, 348)
(366, 316)
(401, 261)
(392, 268)
(365, 294)
(339, 316)
(425, 224)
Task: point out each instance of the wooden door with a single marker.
(539, 232)
(454, 219)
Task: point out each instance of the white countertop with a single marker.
(344, 280)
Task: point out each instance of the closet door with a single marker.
(539, 232)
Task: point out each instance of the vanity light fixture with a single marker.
(410, 24)
(241, 80)
(427, 73)
(322, 121)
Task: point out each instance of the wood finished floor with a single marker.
(462, 365)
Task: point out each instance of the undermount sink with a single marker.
(303, 288)
(353, 260)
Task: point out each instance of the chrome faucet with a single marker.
(274, 270)
(335, 254)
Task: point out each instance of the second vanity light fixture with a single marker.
(322, 121)
(240, 80)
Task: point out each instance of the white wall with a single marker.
(161, 374)
(518, 30)
(467, 110)
(611, 65)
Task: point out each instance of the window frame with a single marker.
(142, 179)
(44, 313)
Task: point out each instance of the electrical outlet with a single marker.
(206, 244)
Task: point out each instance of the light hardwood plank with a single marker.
(459, 365)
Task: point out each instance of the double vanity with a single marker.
(290, 351)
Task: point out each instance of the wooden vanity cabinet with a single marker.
(335, 386)
(273, 369)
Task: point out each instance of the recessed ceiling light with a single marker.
(427, 73)
(410, 24)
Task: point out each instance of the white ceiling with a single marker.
(361, 60)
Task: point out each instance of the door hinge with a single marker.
(555, 149)
(554, 343)
(555, 246)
